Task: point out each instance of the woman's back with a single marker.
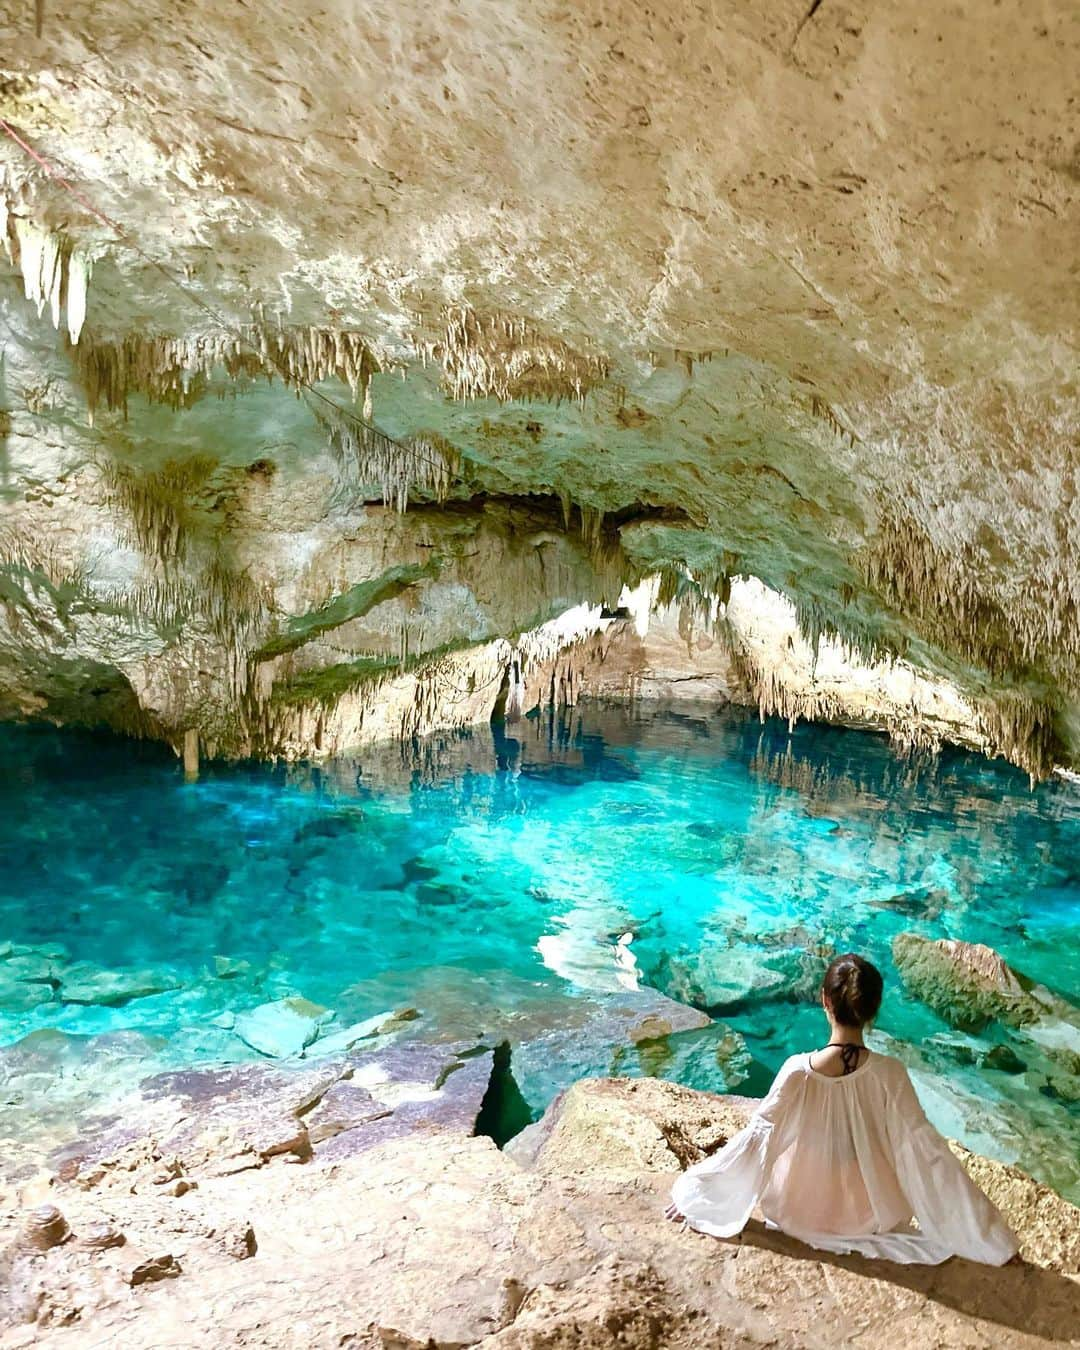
(841, 1154)
(833, 1168)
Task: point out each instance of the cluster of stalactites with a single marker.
(368, 456)
(159, 502)
(856, 639)
(700, 597)
(303, 356)
(950, 596)
(509, 358)
(55, 273)
(176, 371)
(1021, 728)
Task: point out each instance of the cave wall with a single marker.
(600, 293)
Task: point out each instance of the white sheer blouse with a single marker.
(847, 1164)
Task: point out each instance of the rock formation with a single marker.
(436, 1238)
(601, 293)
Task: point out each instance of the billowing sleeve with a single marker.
(952, 1212)
(717, 1195)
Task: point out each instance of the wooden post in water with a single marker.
(191, 754)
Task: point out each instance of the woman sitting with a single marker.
(841, 1156)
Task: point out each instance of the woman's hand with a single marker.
(673, 1214)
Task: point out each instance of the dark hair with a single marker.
(852, 989)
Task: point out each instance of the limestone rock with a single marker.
(86, 983)
(553, 362)
(967, 983)
(439, 1238)
(99, 1235)
(164, 1267)
(719, 977)
(46, 1227)
(343, 1106)
(1004, 1059)
(624, 1127)
(382, 1024)
(283, 1028)
(607, 1030)
(238, 1241)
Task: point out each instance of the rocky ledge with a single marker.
(244, 1233)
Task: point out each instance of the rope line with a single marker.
(237, 332)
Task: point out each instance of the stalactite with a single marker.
(820, 623)
(177, 371)
(502, 357)
(1022, 728)
(159, 502)
(54, 271)
(950, 596)
(827, 414)
(396, 467)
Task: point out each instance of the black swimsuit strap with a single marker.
(849, 1054)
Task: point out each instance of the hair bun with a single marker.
(852, 988)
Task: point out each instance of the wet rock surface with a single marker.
(227, 1120)
(559, 1241)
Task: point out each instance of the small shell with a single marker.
(46, 1227)
(101, 1234)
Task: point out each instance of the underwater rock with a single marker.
(28, 977)
(967, 983)
(1004, 1059)
(231, 968)
(716, 978)
(417, 870)
(345, 820)
(283, 1028)
(607, 1031)
(89, 984)
(21, 995)
(1062, 1088)
(927, 905)
(713, 1059)
(33, 966)
(382, 1024)
(200, 882)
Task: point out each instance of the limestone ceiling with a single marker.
(786, 289)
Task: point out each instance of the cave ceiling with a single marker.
(783, 290)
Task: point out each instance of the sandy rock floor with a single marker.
(439, 1239)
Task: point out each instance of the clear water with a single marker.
(487, 879)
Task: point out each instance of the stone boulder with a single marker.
(968, 984)
(621, 1128)
(283, 1028)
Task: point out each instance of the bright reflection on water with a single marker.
(488, 881)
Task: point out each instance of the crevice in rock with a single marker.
(504, 1112)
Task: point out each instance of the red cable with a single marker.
(55, 173)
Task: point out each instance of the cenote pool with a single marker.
(509, 882)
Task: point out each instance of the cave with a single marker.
(527, 533)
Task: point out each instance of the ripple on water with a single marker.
(517, 883)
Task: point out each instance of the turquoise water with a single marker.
(486, 881)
